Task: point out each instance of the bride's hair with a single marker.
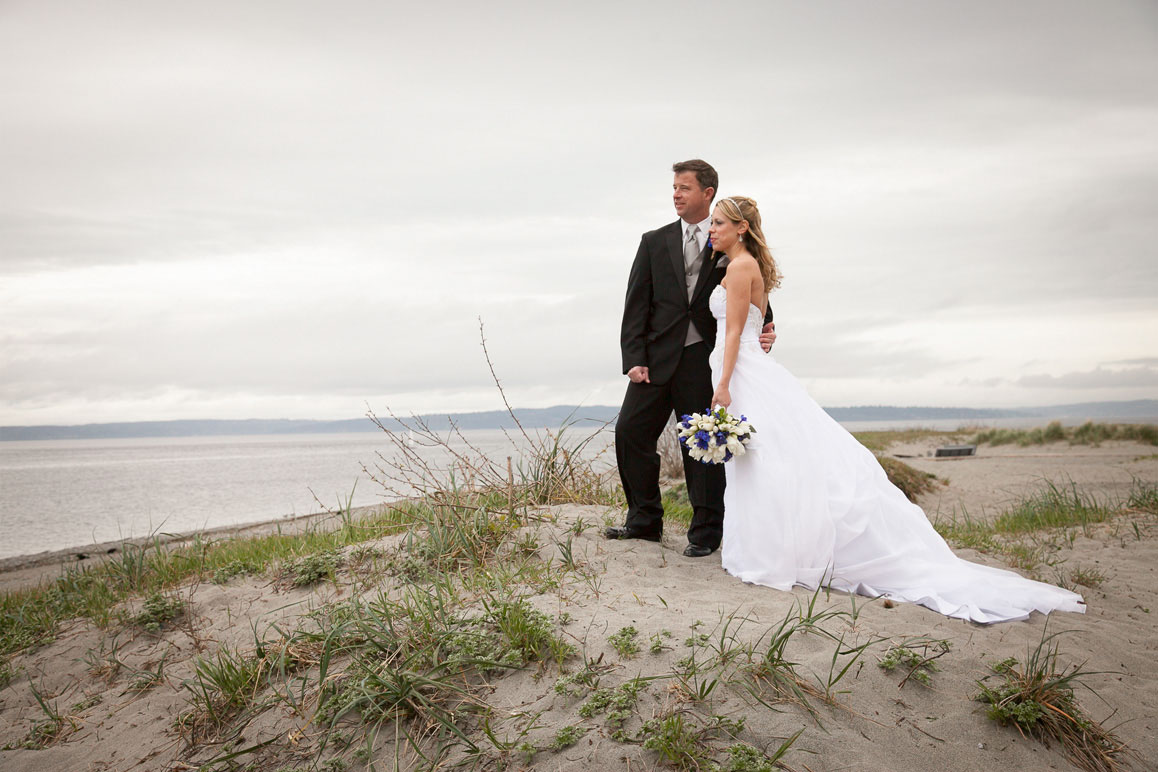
(741, 208)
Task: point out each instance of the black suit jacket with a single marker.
(656, 313)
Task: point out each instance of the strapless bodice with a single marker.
(718, 303)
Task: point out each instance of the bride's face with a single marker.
(723, 231)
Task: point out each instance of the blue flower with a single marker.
(727, 455)
(721, 438)
(702, 439)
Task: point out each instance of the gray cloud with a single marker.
(310, 207)
(1098, 378)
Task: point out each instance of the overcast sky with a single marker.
(272, 209)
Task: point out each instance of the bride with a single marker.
(808, 504)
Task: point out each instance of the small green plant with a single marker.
(657, 642)
(310, 569)
(618, 703)
(745, 758)
(567, 736)
(582, 681)
(157, 610)
(51, 728)
(681, 738)
(917, 655)
(1038, 699)
(88, 702)
(231, 569)
(676, 740)
(625, 641)
(1087, 577)
(7, 673)
(699, 639)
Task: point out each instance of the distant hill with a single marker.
(543, 417)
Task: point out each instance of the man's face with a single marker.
(692, 203)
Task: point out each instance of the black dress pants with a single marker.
(642, 418)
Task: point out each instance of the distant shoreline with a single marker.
(540, 418)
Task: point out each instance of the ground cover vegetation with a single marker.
(421, 612)
(1089, 433)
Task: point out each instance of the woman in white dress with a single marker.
(808, 504)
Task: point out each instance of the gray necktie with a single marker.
(692, 265)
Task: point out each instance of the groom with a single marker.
(667, 333)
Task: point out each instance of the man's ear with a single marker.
(713, 191)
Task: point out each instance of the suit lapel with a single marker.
(675, 250)
(707, 269)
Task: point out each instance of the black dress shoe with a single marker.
(623, 532)
(697, 551)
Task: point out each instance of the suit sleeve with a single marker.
(768, 315)
(636, 309)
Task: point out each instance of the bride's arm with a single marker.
(739, 278)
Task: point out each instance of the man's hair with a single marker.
(705, 174)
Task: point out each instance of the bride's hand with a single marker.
(722, 397)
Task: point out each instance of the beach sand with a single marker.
(871, 722)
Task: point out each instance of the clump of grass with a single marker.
(1143, 497)
(912, 482)
(625, 642)
(7, 673)
(1087, 577)
(552, 467)
(527, 631)
(48, 730)
(1051, 507)
(147, 678)
(158, 610)
(1038, 699)
(916, 654)
(220, 688)
(677, 508)
(879, 442)
(770, 663)
(1089, 433)
(31, 616)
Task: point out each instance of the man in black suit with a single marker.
(667, 334)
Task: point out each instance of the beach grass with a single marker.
(1089, 433)
(1036, 696)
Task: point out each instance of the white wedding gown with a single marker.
(809, 505)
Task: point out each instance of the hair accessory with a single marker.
(735, 203)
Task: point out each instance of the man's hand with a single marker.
(768, 337)
(638, 374)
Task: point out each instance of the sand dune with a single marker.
(682, 608)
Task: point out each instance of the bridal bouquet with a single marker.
(715, 437)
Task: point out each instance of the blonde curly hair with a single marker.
(743, 209)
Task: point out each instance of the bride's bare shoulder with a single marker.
(742, 264)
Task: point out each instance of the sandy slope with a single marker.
(873, 725)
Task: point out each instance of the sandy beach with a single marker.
(698, 637)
